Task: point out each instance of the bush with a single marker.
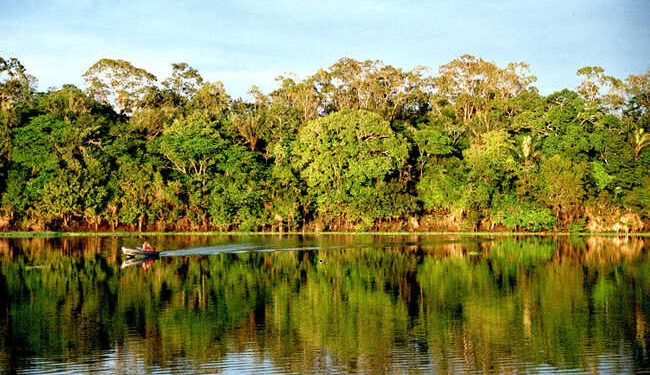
(515, 214)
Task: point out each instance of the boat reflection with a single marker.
(145, 263)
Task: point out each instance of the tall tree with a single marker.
(305, 96)
(594, 80)
(349, 160)
(184, 80)
(16, 85)
(212, 100)
(471, 84)
(374, 86)
(118, 82)
(248, 118)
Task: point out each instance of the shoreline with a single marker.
(19, 234)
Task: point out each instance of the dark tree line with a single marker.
(361, 145)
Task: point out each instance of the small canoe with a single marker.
(139, 253)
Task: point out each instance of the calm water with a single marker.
(326, 304)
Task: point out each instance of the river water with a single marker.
(326, 304)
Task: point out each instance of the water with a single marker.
(326, 304)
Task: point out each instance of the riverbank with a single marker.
(212, 233)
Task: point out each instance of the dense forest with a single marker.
(358, 146)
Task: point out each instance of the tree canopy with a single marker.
(358, 145)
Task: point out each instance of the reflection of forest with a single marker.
(414, 303)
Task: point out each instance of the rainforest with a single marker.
(358, 146)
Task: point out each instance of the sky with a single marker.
(243, 43)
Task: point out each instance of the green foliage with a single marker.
(58, 157)
(135, 192)
(184, 81)
(577, 226)
(639, 197)
(16, 85)
(431, 141)
(599, 174)
(359, 145)
(491, 160)
(118, 82)
(515, 214)
(5, 146)
(346, 159)
(441, 185)
(190, 144)
(237, 192)
(560, 185)
(473, 85)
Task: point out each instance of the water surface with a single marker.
(326, 304)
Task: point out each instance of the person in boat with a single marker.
(146, 246)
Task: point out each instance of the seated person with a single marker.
(146, 246)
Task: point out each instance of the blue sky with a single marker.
(242, 43)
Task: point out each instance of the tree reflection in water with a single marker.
(357, 303)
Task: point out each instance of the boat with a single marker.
(128, 262)
(139, 253)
